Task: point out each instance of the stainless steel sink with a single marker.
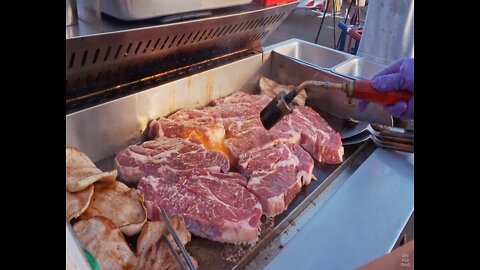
(357, 68)
(310, 53)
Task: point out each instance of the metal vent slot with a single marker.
(95, 56)
(206, 37)
(257, 22)
(186, 40)
(180, 40)
(267, 21)
(275, 18)
(72, 60)
(128, 50)
(251, 25)
(224, 33)
(138, 47)
(164, 42)
(193, 39)
(219, 33)
(201, 35)
(118, 51)
(107, 53)
(173, 40)
(84, 58)
(239, 27)
(213, 35)
(261, 23)
(280, 17)
(270, 19)
(156, 43)
(265, 34)
(146, 46)
(244, 26)
(233, 28)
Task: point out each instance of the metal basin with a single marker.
(357, 68)
(313, 54)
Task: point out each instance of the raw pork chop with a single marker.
(214, 208)
(276, 175)
(190, 123)
(168, 158)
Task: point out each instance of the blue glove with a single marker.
(398, 76)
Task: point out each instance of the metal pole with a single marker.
(323, 19)
(334, 25)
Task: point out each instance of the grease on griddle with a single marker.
(235, 252)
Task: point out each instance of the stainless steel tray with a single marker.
(145, 9)
(358, 68)
(311, 54)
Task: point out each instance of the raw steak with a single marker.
(190, 123)
(168, 158)
(276, 175)
(213, 205)
(317, 136)
(243, 136)
(238, 106)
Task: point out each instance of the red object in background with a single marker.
(269, 3)
(314, 5)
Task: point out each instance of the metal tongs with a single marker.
(179, 244)
(383, 136)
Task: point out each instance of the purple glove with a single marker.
(398, 76)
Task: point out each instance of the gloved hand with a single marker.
(398, 76)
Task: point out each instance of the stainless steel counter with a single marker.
(358, 218)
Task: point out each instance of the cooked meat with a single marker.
(272, 89)
(159, 257)
(167, 158)
(276, 175)
(123, 205)
(190, 123)
(77, 202)
(81, 172)
(213, 205)
(106, 243)
(152, 250)
(153, 230)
